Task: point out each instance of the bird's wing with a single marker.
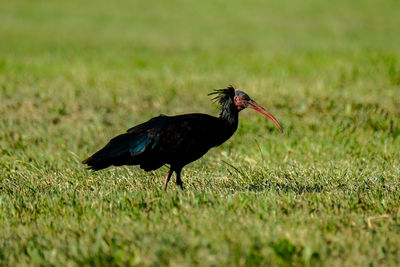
(124, 149)
(179, 139)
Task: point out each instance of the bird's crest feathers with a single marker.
(223, 95)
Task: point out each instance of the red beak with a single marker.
(255, 106)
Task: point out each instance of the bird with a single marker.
(176, 140)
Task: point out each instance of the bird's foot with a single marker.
(180, 184)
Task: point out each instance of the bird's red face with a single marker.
(242, 101)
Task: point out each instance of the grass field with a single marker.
(326, 192)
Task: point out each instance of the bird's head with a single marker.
(241, 101)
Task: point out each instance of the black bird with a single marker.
(176, 140)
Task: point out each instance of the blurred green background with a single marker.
(75, 73)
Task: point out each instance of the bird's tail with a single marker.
(96, 164)
(121, 150)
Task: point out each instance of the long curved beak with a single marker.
(255, 106)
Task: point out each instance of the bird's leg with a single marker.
(178, 178)
(167, 178)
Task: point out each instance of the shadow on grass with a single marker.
(284, 188)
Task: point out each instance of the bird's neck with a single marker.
(229, 115)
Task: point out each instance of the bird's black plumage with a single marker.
(173, 140)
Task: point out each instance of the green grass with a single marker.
(326, 192)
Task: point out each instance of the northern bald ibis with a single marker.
(176, 140)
